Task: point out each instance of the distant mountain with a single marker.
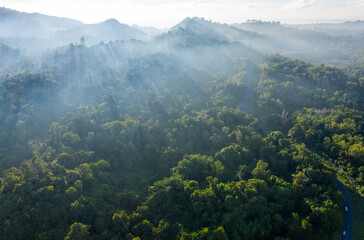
(35, 32)
(20, 24)
(152, 31)
(198, 31)
(266, 28)
(109, 30)
(308, 42)
(355, 28)
(200, 26)
(219, 31)
(188, 38)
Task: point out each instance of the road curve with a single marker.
(348, 215)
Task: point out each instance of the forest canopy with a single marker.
(200, 132)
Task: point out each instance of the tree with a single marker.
(65, 160)
(78, 231)
(198, 167)
(261, 170)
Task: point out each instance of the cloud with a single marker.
(356, 3)
(299, 4)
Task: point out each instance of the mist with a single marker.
(59, 64)
(79, 64)
(115, 112)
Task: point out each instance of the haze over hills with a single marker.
(109, 30)
(34, 33)
(309, 42)
(16, 28)
(19, 24)
(344, 29)
(201, 131)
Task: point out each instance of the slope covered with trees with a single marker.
(193, 135)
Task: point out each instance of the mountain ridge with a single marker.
(49, 31)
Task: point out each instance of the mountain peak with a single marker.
(112, 22)
(6, 10)
(194, 19)
(188, 22)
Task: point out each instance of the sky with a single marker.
(166, 13)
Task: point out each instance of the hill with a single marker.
(199, 132)
(35, 32)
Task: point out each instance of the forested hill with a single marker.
(36, 33)
(197, 133)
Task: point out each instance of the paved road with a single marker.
(348, 217)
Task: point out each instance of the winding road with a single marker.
(348, 215)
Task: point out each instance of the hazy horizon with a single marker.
(165, 14)
(215, 128)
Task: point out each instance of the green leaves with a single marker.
(78, 231)
(198, 167)
(178, 158)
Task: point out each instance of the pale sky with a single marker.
(166, 13)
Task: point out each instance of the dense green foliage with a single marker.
(206, 141)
